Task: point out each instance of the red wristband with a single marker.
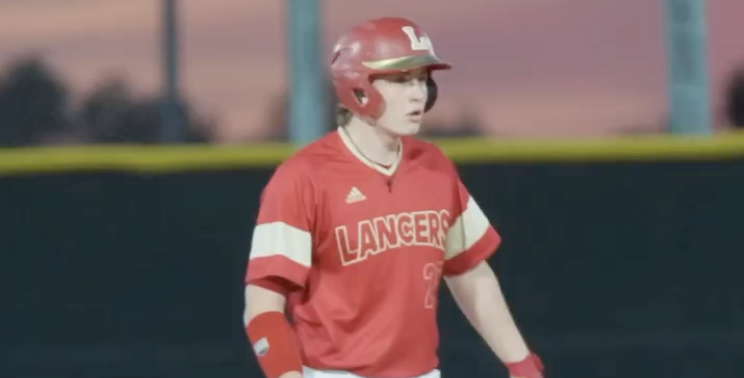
(530, 367)
(273, 343)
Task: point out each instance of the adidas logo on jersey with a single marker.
(355, 195)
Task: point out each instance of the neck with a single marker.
(373, 142)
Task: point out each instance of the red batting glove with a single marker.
(530, 367)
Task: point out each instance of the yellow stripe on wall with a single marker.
(199, 157)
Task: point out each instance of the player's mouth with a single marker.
(415, 115)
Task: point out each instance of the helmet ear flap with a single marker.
(433, 93)
(359, 96)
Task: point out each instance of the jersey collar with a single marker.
(387, 171)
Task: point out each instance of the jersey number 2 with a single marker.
(432, 274)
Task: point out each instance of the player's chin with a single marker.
(409, 128)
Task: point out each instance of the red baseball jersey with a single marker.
(367, 247)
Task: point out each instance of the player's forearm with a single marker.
(270, 333)
(479, 296)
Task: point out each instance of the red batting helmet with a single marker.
(380, 46)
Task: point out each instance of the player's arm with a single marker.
(479, 296)
(264, 319)
(471, 240)
(280, 259)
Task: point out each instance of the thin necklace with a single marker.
(359, 150)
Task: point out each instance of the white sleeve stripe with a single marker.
(466, 230)
(281, 239)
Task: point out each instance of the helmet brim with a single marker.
(409, 62)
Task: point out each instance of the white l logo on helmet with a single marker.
(422, 43)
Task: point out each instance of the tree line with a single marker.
(36, 108)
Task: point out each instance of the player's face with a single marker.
(405, 97)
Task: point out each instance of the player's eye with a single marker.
(401, 78)
(410, 79)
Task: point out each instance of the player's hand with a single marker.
(530, 367)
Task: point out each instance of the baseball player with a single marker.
(356, 231)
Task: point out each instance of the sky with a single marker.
(529, 68)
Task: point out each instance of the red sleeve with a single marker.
(471, 238)
(277, 285)
(281, 248)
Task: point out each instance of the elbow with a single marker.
(478, 280)
(259, 300)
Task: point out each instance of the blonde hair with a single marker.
(343, 116)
